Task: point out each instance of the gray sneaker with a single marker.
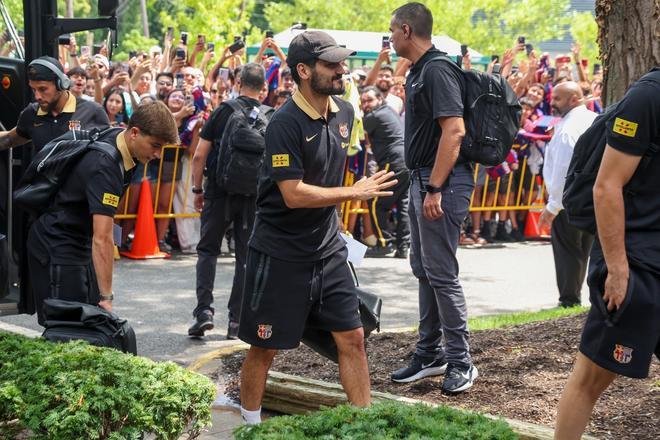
(459, 378)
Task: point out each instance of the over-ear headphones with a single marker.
(63, 82)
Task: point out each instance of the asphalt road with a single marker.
(158, 296)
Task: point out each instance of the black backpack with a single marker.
(491, 112)
(51, 166)
(242, 149)
(70, 320)
(581, 176)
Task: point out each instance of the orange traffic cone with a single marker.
(532, 229)
(145, 243)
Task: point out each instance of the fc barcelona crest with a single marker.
(265, 331)
(622, 355)
(343, 129)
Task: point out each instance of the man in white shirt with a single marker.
(570, 246)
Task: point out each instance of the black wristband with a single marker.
(197, 190)
(432, 189)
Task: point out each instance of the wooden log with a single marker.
(291, 394)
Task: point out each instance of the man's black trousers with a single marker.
(381, 207)
(571, 247)
(217, 215)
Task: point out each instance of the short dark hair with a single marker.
(155, 119)
(374, 89)
(77, 71)
(294, 70)
(170, 75)
(253, 76)
(387, 67)
(417, 16)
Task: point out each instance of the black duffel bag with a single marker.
(322, 342)
(71, 320)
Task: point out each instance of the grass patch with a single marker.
(510, 319)
(391, 420)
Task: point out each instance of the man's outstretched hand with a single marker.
(369, 187)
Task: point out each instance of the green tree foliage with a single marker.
(489, 26)
(584, 30)
(219, 20)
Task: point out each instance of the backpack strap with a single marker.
(234, 105)
(446, 59)
(111, 151)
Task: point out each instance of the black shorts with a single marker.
(282, 298)
(623, 341)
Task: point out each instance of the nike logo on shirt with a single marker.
(310, 138)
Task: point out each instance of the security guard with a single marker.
(296, 274)
(70, 247)
(56, 111)
(442, 183)
(622, 331)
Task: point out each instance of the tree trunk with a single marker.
(629, 39)
(69, 8)
(145, 18)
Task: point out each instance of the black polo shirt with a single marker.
(439, 94)
(383, 125)
(633, 127)
(64, 234)
(212, 132)
(42, 127)
(301, 144)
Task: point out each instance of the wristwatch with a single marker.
(107, 297)
(197, 190)
(432, 189)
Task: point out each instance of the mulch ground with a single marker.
(522, 371)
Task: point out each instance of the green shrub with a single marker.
(382, 421)
(78, 391)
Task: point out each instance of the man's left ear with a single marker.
(134, 132)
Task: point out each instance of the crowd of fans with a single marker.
(192, 80)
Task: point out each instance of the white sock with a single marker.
(251, 417)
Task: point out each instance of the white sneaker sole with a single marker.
(467, 385)
(426, 372)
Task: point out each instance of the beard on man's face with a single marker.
(326, 85)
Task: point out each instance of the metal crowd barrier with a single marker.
(526, 195)
(529, 197)
(186, 180)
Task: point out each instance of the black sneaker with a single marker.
(419, 368)
(459, 378)
(502, 234)
(203, 323)
(232, 330)
(517, 235)
(379, 252)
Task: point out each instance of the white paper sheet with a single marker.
(356, 250)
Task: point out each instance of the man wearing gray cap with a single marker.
(55, 111)
(296, 272)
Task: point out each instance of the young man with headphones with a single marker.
(55, 111)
